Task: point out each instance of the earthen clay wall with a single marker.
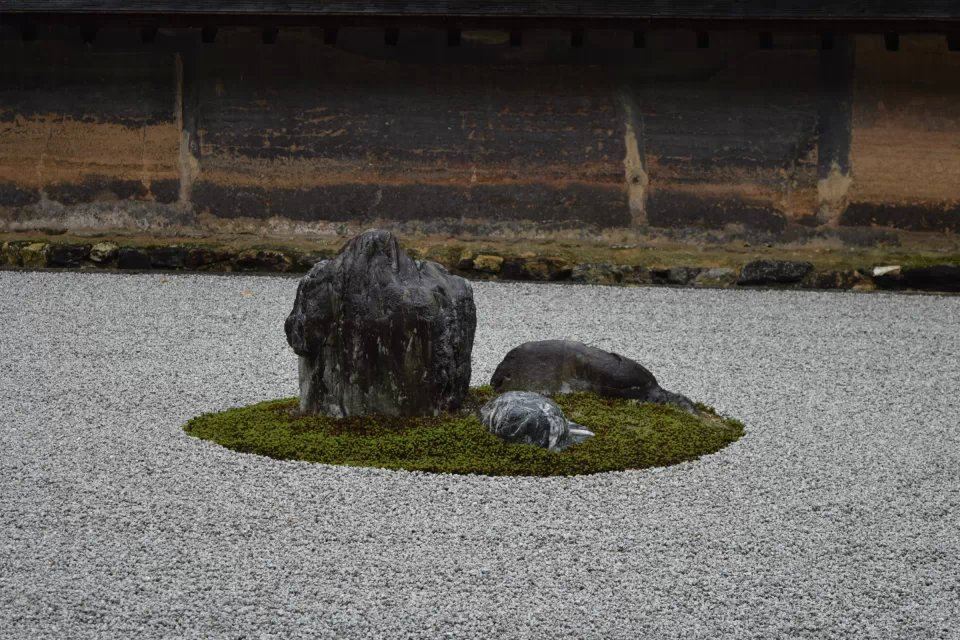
(674, 129)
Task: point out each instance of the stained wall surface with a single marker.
(542, 129)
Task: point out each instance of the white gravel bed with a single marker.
(837, 515)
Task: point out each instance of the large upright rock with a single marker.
(566, 366)
(378, 332)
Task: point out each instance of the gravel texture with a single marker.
(836, 515)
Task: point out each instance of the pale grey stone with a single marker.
(103, 252)
(529, 418)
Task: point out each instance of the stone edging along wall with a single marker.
(27, 254)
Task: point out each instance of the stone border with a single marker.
(26, 254)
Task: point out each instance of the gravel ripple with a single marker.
(836, 516)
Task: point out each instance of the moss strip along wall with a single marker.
(861, 270)
(537, 130)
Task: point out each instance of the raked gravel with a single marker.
(837, 515)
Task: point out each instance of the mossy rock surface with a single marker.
(629, 435)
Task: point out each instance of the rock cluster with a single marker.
(484, 266)
(529, 418)
(380, 333)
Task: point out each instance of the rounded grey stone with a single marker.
(530, 418)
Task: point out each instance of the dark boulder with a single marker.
(132, 258)
(378, 332)
(170, 257)
(529, 418)
(67, 255)
(565, 366)
(938, 277)
(761, 272)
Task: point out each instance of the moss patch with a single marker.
(629, 435)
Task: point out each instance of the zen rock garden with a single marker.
(384, 344)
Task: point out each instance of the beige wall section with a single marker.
(635, 174)
(906, 123)
(45, 150)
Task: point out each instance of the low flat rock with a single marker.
(380, 333)
(762, 272)
(566, 366)
(529, 418)
(938, 277)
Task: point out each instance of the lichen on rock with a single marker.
(380, 333)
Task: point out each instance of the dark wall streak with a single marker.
(835, 122)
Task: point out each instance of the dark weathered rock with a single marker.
(132, 258)
(202, 257)
(170, 257)
(715, 278)
(538, 269)
(565, 366)
(833, 279)
(529, 418)
(378, 332)
(465, 261)
(512, 269)
(67, 255)
(604, 273)
(761, 272)
(939, 277)
(263, 260)
(678, 276)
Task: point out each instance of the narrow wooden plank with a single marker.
(724, 9)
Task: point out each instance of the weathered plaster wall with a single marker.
(78, 125)
(729, 130)
(906, 135)
(313, 132)
(303, 133)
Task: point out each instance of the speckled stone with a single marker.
(530, 418)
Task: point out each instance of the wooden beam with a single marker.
(651, 9)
